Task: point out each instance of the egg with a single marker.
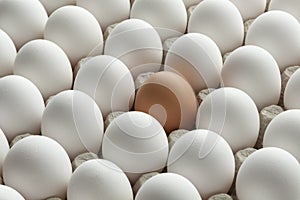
(170, 99)
(7, 54)
(9, 193)
(22, 20)
(204, 158)
(247, 62)
(21, 106)
(75, 30)
(46, 65)
(137, 44)
(74, 120)
(189, 3)
(168, 17)
(108, 81)
(291, 98)
(250, 9)
(221, 21)
(290, 6)
(99, 179)
(200, 67)
(4, 148)
(38, 167)
(269, 174)
(168, 186)
(232, 114)
(52, 5)
(279, 33)
(103, 10)
(137, 143)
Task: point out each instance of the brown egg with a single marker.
(170, 99)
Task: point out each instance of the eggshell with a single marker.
(108, 81)
(21, 106)
(74, 120)
(269, 174)
(137, 44)
(290, 6)
(291, 98)
(221, 21)
(107, 12)
(4, 148)
(250, 9)
(51, 5)
(137, 143)
(22, 20)
(38, 167)
(189, 3)
(75, 30)
(232, 114)
(284, 132)
(279, 33)
(170, 99)
(205, 158)
(201, 67)
(255, 71)
(46, 65)
(99, 179)
(168, 186)
(168, 17)
(7, 54)
(9, 193)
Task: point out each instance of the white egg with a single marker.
(137, 143)
(7, 54)
(99, 179)
(75, 30)
(107, 12)
(204, 158)
(108, 81)
(284, 132)
(232, 114)
(9, 193)
(51, 5)
(168, 186)
(38, 167)
(74, 120)
(291, 96)
(279, 33)
(168, 17)
(201, 67)
(269, 174)
(21, 106)
(189, 3)
(255, 71)
(4, 148)
(22, 20)
(290, 6)
(46, 65)
(137, 44)
(221, 21)
(250, 9)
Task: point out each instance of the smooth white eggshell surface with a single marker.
(197, 58)
(22, 20)
(137, 44)
(255, 71)
(168, 17)
(7, 54)
(4, 148)
(284, 132)
(137, 143)
(221, 21)
(108, 81)
(107, 12)
(99, 179)
(269, 174)
(232, 114)
(250, 9)
(46, 65)
(75, 30)
(38, 167)
(290, 6)
(291, 96)
(9, 193)
(51, 5)
(21, 106)
(277, 32)
(168, 186)
(74, 120)
(204, 158)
